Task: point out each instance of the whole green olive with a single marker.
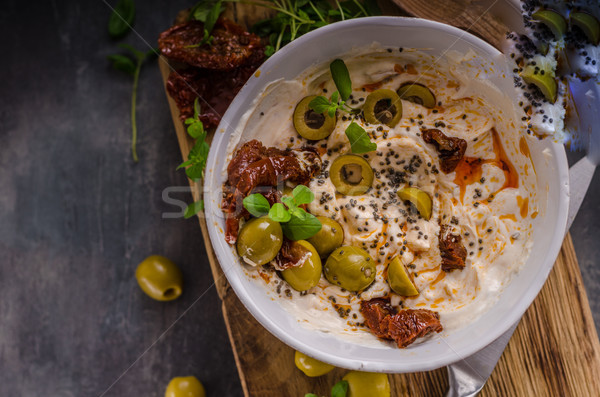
(307, 275)
(185, 386)
(328, 238)
(351, 175)
(310, 366)
(367, 384)
(352, 268)
(310, 124)
(383, 106)
(159, 278)
(259, 241)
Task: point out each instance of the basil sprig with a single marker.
(121, 19)
(296, 223)
(207, 12)
(340, 389)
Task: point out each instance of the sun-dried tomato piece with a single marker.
(404, 326)
(255, 167)
(216, 89)
(450, 149)
(291, 254)
(452, 250)
(230, 47)
(407, 325)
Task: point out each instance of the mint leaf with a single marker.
(359, 140)
(278, 213)
(340, 389)
(320, 104)
(301, 229)
(302, 195)
(341, 78)
(193, 209)
(256, 204)
(121, 19)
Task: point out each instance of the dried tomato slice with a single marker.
(452, 250)
(216, 89)
(450, 149)
(231, 46)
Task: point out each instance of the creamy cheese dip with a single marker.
(490, 203)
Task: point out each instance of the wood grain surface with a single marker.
(554, 352)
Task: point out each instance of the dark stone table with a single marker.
(77, 216)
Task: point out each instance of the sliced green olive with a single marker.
(399, 280)
(367, 384)
(310, 124)
(307, 275)
(328, 238)
(417, 93)
(159, 278)
(351, 175)
(185, 386)
(553, 20)
(259, 241)
(546, 82)
(418, 198)
(383, 106)
(310, 366)
(352, 268)
(588, 24)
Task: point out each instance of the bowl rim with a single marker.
(220, 246)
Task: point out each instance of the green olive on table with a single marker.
(310, 124)
(185, 386)
(352, 268)
(310, 366)
(367, 384)
(307, 275)
(159, 278)
(328, 238)
(259, 241)
(417, 93)
(351, 175)
(383, 106)
(399, 280)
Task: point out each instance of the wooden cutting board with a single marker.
(554, 351)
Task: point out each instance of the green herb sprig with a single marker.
(131, 64)
(297, 17)
(196, 162)
(340, 389)
(296, 223)
(121, 19)
(207, 12)
(358, 137)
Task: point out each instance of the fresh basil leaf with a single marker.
(122, 63)
(139, 55)
(372, 7)
(331, 111)
(212, 17)
(320, 104)
(195, 171)
(121, 19)
(341, 78)
(310, 395)
(335, 97)
(301, 229)
(256, 204)
(359, 140)
(193, 209)
(196, 109)
(288, 201)
(302, 195)
(196, 130)
(298, 212)
(185, 164)
(278, 213)
(340, 389)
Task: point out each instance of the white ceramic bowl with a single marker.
(549, 159)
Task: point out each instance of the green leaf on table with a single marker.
(198, 156)
(340, 389)
(121, 19)
(256, 204)
(193, 209)
(195, 127)
(359, 139)
(341, 78)
(279, 214)
(122, 63)
(301, 229)
(302, 195)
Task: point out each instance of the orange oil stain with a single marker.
(410, 69)
(534, 215)
(398, 69)
(512, 217)
(523, 205)
(439, 278)
(257, 74)
(265, 277)
(469, 169)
